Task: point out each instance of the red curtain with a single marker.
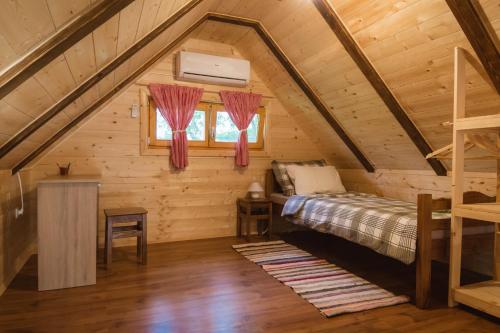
(177, 104)
(241, 108)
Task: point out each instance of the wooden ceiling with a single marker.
(409, 43)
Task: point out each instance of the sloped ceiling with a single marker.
(409, 43)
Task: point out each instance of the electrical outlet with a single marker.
(19, 212)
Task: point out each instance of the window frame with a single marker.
(154, 142)
(210, 109)
(259, 145)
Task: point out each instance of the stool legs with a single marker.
(142, 241)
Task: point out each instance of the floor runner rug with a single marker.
(330, 288)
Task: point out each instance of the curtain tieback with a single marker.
(178, 131)
(243, 130)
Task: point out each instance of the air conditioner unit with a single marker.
(198, 67)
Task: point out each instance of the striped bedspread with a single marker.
(385, 225)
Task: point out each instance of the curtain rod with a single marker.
(205, 91)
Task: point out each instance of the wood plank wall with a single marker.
(196, 203)
(17, 236)
(406, 184)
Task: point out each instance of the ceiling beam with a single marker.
(475, 26)
(43, 54)
(276, 50)
(106, 98)
(93, 80)
(299, 80)
(364, 64)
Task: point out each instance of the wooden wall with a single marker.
(17, 236)
(407, 184)
(196, 203)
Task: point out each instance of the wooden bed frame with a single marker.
(425, 251)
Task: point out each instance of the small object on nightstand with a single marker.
(255, 191)
(254, 210)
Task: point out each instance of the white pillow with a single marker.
(290, 170)
(317, 180)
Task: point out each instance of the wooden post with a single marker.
(109, 243)
(496, 253)
(424, 250)
(248, 218)
(457, 174)
(238, 218)
(270, 221)
(144, 239)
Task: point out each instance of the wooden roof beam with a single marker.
(106, 98)
(299, 80)
(62, 40)
(289, 67)
(93, 80)
(364, 64)
(476, 28)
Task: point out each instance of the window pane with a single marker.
(195, 131)
(163, 131)
(226, 130)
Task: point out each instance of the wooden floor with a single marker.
(204, 286)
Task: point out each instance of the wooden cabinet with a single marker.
(67, 232)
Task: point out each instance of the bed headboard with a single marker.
(272, 185)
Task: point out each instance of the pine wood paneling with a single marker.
(12, 119)
(81, 59)
(17, 236)
(491, 9)
(56, 78)
(417, 38)
(30, 98)
(30, 62)
(105, 40)
(294, 100)
(196, 203)
(406, 184)
(482, 38)
(62, 11)
(148, 16)
(24, 23)
(323, 62)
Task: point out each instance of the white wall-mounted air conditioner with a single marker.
(198, 67)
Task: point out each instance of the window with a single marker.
(211, 127)
(160, 133)
(225, 133)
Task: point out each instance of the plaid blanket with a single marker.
(385, 225)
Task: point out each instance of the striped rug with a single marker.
(331, 289)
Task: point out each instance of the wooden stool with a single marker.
(139, 230)
(254, 210)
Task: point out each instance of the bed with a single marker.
(401, 230)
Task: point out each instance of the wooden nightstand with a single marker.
(254, 210)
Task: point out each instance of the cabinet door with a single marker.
(67, 223)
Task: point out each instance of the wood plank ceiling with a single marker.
(415, 37)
